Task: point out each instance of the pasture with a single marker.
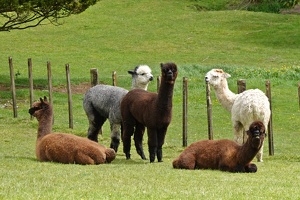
(118, 36)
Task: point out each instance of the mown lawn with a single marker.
(119, 35)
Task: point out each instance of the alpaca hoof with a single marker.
(127, 156)
(142, 154)
(159, 155)
(114, 144)
(114, 147)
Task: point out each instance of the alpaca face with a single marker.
(37, 106)
(141, 74)
(169, 72)
(215, 77)
(256, 134)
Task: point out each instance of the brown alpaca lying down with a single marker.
(224, 155)
(65, 148)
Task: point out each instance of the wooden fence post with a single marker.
(114, 78)
(94, 76)
(13, 86)
(270, 125)
(30, 84)
(241, 85)
(69, 96)
(209, 112)
(184, 110)
(94, 82)
(50, 85)
(299, 93)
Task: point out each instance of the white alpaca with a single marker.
(246, 107)
(102, 102)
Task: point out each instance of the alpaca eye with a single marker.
(142, 74)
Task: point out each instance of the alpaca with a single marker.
(102, 102)
(65, 148)
(245, 107)
(224, 155)
(140, 109)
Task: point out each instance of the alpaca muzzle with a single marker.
(170, 75)
(32, 110)
(256, 134)
(206, 79)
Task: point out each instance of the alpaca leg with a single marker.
(238, 132)
(138, 140)
(95, 123)
(152, 143)
(115, 136)
(85, 159)
(251, 168)
(126, 138)
(152, 152)
(259, 155)
(160, 141)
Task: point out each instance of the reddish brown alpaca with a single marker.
(65, 148)
(225, 155)
(140, 108)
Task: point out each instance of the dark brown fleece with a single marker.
(224, 155)
(140, 109)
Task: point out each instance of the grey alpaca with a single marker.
(102, 102)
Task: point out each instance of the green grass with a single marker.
(118, 35)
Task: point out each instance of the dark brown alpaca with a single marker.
(225, 155)
(140, 109)
(65, 148)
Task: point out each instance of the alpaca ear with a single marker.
(41, 100)
(161, 65)
(131, 72)
(226, 75)
(45, 99)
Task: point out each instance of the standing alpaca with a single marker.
(103, 101)
(245, 107)
(140, 108)
(65, 148)
(224, 155)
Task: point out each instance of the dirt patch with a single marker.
(295, 10)
(75, 89)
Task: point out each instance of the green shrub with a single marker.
(271, 6)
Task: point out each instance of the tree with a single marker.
(22, 14)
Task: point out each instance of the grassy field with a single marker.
(118, 35)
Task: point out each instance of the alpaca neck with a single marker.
(247, 152)
(45, 125)
(134, 85)
(225, 96)
(165, 96)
